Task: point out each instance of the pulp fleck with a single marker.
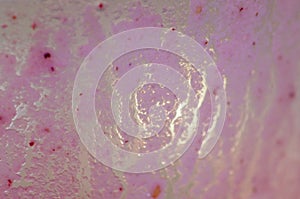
(156, 192)
(198, 9)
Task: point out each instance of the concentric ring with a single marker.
(94, 65)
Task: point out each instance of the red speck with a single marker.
(126, 141)
(80, 94)
(254, 189)
(292, 95)
(279, 142)
(121, 189)
(130, 64)
(256, 14)
(53, 150)
(4, 26)
(47, 130)
(33, 26)
(156, 192)
(206, 42)
(117, 68)
(253, 43)
(14, 17)
(101, 6)
(1, 118)
(47, 55)
(241, 9)
(215, 91)
(52, 69)
(173, 29)
(9, 182)
(242, 161)
(31, 143)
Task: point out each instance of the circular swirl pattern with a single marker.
(186, 118)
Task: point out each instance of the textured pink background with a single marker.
(256, 46)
